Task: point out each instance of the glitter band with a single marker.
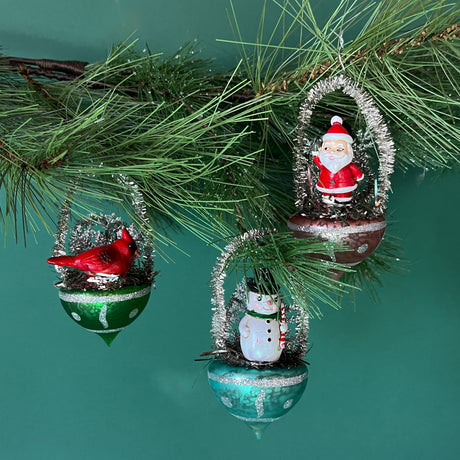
(272, 383)
(84, 298)
(105, 331)
(345, 230)
(103, 316)
(262, 420)
(259, 403)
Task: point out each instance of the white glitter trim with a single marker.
(103, 317)
(338, 230)
(259, 403)
(84, 298)
(258, 383)
(105, 331)
(262, 420)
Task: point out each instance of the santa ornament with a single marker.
(259, 343)
(339, 177)
(340, 199)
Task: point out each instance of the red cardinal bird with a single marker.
(110, 259)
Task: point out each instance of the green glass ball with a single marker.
(105, 312)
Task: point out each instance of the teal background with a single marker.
(384, 377)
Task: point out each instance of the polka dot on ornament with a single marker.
(363, 248)
(76, 316)
(133, 313)
(226, 402)
(288, 404)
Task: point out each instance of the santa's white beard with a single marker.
(335, 164)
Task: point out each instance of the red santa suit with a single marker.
(339, 184)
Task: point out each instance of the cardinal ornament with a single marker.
(113, 259)
(106, 272)
(340, 199)
(259, 374)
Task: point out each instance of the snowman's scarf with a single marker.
(261, 316)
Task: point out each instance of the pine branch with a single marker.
(169, 148)
(48, 68)
(212, 152)
(392, 47)
(300, 266)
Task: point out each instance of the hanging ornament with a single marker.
(259, 375)
(262, 329)
(338, 198)
(106, 282)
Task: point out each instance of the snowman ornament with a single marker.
(263, 327)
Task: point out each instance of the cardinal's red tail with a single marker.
(63, 261)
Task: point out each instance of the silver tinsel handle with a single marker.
(220, 321)
(374, 121)
(137, 201)
(224, 315)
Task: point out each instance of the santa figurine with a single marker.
(263, 328)
(338, 176)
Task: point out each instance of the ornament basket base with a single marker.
(361, 237)
(105, 313)
(257, 396)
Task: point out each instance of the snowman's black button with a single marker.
(269, 339)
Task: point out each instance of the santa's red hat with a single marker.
(337, 131)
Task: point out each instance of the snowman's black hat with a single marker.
(262, 283)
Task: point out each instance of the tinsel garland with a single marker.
(374, 121)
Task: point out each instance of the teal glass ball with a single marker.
(105, 312)
(257, 396)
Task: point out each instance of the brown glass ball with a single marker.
(361, 236)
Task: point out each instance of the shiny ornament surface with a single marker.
(257, 396)
(105, 312)
(110, 259)
(361, 236)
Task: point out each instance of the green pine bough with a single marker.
(211, 152)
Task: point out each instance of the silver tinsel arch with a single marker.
(375, 124)
(100, 229)
(227, 315)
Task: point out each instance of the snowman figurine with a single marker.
(261, 331)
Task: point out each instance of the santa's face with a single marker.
(263, 304)
(335, 154)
